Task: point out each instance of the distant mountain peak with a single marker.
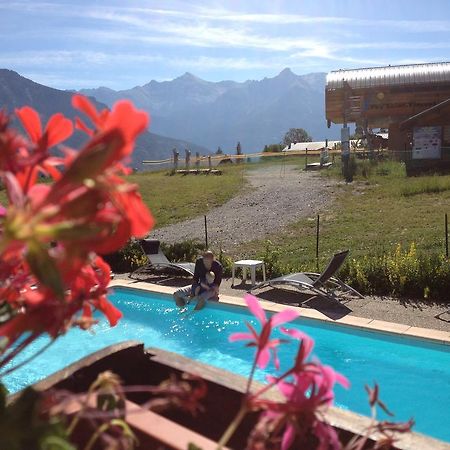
(188, 76)
(287, 72)
(212, 113)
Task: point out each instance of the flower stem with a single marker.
(233, 426)
(96, 435)
(26, 361)
(18, 349)
(252, 373)
(270, 385)
(83, 407)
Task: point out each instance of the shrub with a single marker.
(131, 257)
(187, 250)
(403, 273)
(272, 259)
(126, 259)
(227, 263)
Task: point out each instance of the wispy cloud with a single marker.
(154, 39)
(189, 11)
(65, 57)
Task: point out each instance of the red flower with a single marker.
(124, 117)
(58, 128)
(49, 274)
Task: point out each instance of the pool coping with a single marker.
(391, 328)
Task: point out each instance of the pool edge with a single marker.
(392, 328)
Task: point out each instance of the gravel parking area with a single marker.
(273, 198)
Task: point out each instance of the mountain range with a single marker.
(17, 91)
(222, 113)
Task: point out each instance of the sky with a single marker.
(121, 44)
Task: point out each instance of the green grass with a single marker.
(369, 216)
(426, 185)
(174, 198)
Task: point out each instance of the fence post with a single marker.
(446, 236)
(188, 158)
(197, 160)
(317, 242)
(206, 233)
(175, 159)
(306, 158)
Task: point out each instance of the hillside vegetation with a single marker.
(393, 226)
(174, 198)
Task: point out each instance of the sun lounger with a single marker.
(158, 261)
(323, 284)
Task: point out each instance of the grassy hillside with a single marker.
(380, 209)
(174, 198)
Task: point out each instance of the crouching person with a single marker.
(203, 288)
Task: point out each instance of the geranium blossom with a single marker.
(26, 159)
(307, 393)
(262, 341)
(49, 233)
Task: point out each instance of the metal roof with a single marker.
(390, 75)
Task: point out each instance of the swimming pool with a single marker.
(414, 375)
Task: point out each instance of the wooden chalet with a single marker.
(412, 101)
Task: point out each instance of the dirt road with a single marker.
(273, 198)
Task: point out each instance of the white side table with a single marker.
(252, 264)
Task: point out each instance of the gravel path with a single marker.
(273, 198)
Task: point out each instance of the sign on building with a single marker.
(426, 143)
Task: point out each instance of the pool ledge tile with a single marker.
(388, 327)
(304, 312)
(435, 335)
(355, 321)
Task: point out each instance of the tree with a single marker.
(273, 148)
(296, 135)
(219, 151)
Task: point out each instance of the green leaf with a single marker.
(44, 268)
(192, 446)
(126, 430)
(3, 395)
(53, 442)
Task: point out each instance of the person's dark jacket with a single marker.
(200, 271)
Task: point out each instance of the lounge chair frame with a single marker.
(323, 284)
(158, 261)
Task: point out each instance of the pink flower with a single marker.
(262, 341)
(307, 392)
(304, 350)
(306, 396)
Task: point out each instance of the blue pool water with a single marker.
(414, 375)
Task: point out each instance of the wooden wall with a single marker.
(382, 106)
